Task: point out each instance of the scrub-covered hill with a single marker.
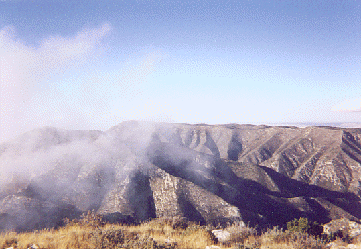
(136, 171)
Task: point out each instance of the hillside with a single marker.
(211, 174)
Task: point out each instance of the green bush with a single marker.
(303, 225)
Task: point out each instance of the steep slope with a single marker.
(208, 173)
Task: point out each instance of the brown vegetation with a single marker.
(91, 232)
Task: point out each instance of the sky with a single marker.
(93, 64)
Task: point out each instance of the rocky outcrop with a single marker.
(343, 227)
(136, 171)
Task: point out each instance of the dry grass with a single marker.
(75, 235)
(90, 232)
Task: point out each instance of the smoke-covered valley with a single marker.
(137, 171)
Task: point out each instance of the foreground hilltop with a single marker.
(136, 171)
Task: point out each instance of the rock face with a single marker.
(136, 171)
(345, 226)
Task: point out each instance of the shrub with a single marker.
(274, 235)
(90, 219)
(10, 243)
(107, 238)
(239, 233)
(179, 223)
(303, 225)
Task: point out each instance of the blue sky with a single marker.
(93, 64)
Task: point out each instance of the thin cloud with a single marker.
(351, 105)
(105, 96)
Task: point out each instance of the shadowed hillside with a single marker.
(211, 174)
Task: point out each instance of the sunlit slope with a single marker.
(136, 171)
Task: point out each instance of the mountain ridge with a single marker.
(137, 170)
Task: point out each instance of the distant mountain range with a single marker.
(332, 124)
(135, 171)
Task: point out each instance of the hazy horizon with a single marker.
(89, 65)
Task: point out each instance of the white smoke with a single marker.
(63, 83)
(26, 70)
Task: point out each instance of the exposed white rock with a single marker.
(213, 247)
(352, 228)
(352, 246)
(221, 235)
(33, 246)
